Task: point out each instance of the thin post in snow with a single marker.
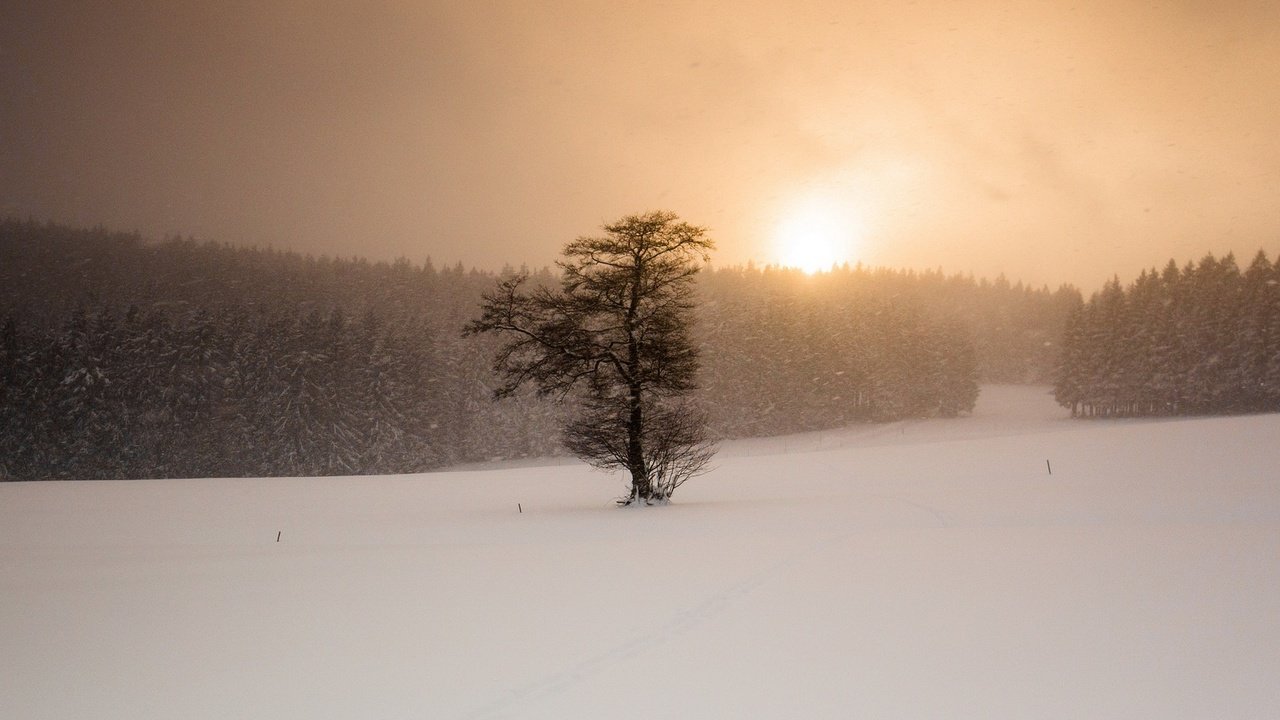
(278, 534)
(1046, 464)
(520, 508)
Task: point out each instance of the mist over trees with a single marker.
(795, 352)
(1200, 339)
(124, 358)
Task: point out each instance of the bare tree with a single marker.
(676, 444)
(614, 337)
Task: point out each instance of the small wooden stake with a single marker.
(1046, 464)
(278, 533)
(519, 507)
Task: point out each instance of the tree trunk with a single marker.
(640, 488)
(641, 491)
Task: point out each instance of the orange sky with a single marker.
(1054, 142)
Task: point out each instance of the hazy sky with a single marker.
(1051, 141)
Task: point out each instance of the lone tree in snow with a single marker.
(614, 337)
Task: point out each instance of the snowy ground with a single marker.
(930, 569)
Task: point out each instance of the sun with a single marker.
(815, 234)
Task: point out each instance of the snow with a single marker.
(931, 568)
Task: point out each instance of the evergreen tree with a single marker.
(1200, 339)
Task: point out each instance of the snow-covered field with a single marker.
(931, 569)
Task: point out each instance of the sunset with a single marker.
(507, 359)
(817, 233)
(1050, 142)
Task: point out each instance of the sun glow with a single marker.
(816, 234)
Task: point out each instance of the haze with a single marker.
(1051, 142)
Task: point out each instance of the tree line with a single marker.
(796, 353)
(1200, 339)
(123, 357)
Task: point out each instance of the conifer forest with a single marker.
(1196, 340)
(124, 357)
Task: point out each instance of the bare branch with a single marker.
(617, 330)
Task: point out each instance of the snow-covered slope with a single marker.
(930, 569)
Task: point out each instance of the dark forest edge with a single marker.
(127, 358)
(1197, 340)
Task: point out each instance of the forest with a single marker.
(1200, 339)
(125, 357)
